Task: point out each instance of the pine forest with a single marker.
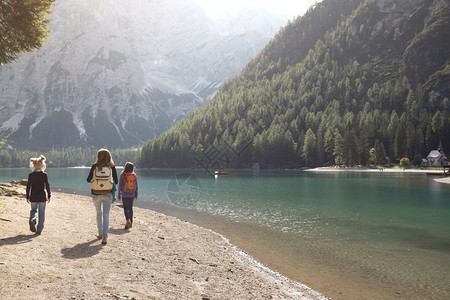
(345, 84)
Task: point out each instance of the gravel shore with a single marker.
(160, 257)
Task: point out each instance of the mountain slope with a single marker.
(350, 82)
(116, 73)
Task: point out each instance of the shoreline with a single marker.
(363, 169)
(161, 257)
(441, 179)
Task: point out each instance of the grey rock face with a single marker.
(118, 72)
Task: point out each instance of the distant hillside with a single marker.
(117, 72)
(350, 82)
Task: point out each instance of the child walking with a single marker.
(35, 193)
(128, 192)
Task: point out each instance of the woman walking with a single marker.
(101, 176)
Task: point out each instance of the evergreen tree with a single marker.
(23, 27)
(310, 148)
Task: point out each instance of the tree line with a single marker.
(59, 158)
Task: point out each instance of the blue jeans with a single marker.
(35, 207)
(128, 208)
(102, 216)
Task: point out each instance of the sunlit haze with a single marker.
(288, 7)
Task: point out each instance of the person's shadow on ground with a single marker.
(118, 231)
(15, 240)
(83, 250)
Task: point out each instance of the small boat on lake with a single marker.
(221, 173)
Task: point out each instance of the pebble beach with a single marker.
(160, 257)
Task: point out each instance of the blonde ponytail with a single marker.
(37, 163)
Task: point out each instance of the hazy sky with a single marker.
(288, 7)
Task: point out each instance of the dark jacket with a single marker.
(37, 184)
(91, 174)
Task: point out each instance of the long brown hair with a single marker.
(104, 159)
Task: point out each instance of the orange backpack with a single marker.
(129, 185)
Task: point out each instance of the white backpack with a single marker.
(102, 182)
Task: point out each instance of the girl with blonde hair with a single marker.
(101, 176)
(35, 193)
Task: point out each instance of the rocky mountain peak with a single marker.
(130, 68)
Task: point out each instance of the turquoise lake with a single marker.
(348, 235)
